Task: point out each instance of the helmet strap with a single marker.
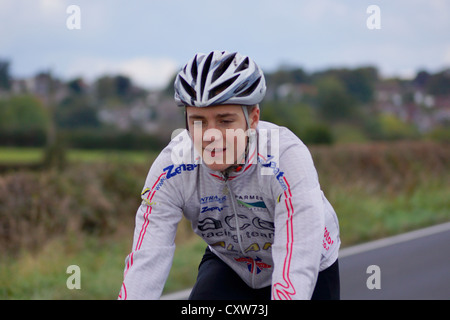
(245, 110)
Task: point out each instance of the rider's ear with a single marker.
(254, 116)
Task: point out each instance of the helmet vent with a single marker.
(250, 89)
(222, 67)
(244, 65)
(205, 73)
(194, 69)
(188, 88)
(221, 87)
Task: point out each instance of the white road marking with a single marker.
(404, 237)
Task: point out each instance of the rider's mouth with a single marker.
(215, 152)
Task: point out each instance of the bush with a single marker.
(21, 137)
(441, 134)
(94, 199)
(112, 139)
(317, 134)
(386, 168)
(389, 127)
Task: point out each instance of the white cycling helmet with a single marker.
(219, 78)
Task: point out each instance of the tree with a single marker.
(23, 112)
(359, 83)
(123, 87)
(287, 75)
(299, 118)
(114, 89)
(5, 77)
(392, 128)
(76, 86)
(23, 121)
(439, 83)
(75, 112)
(421, 79)
(76, 109)
(333, 100)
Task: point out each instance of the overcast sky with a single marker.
(150, 39)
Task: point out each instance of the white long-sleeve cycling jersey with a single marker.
(270, 222)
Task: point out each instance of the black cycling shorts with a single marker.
(217, 281)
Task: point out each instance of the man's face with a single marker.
(219, 133)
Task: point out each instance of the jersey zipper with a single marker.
(233, 205)
(238, 230)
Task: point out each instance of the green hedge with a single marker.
(84, 139)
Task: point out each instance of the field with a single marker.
(10, 155)
(84, 215)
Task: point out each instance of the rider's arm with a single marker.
(299, 225)
(149, 263)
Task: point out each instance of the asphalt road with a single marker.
(414, 265)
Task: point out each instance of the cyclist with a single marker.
(249, 189)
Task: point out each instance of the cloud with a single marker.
(51, 6)
(148, 72)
